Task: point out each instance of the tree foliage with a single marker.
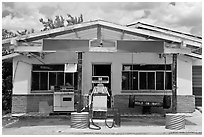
(59, 21)
(6, 86)
(9, 34)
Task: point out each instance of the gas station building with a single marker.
(137, 58)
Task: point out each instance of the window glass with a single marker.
(44, 74)
(159, 80)
(143, 82)
(151, 77)
(43, 81)
(127, 67)
(48, 67)
(168, 82)
(52, 80)
(75, 80)
(125, 80)
(151, 80)
(69, 79)
(35, 81)
(135, 80)
(60, 78)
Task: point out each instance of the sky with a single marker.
(180, 16)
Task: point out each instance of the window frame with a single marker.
(48, 73)
(155, 77)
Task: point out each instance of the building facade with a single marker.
(137, 60)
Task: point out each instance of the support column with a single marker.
(174, 83)
(79, 68)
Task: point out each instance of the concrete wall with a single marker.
(116, 60)
(185, 104)
(21, 77)
(184, 76)
(31, 102)
(197, 62)
(22, 67)
(22, 80)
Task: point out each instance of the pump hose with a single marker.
(91, 123)
(113, 123)
(97, 127)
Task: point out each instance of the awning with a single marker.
(70, 68)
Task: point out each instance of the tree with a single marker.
(7, 70)
(7, 34)
(60, 22)
(6, 86)
(74, 20)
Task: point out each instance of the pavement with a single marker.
(59, 125)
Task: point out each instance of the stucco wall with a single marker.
(22, 80)
(116, 60)
(184, 76)
(22, 67)
(21, 77)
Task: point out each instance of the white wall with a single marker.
(22, 67)
(184, 76)
(21, 77)
(116, 60)
(22, 81)
(197, 62)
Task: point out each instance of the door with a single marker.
(103, 70)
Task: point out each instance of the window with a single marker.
(147, 80)
(159, 80)
(146, 77)
(45, 77)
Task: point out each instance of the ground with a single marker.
(129, 125)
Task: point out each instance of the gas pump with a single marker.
(99, 96)
(98, 99)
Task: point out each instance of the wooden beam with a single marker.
(108, 25)
(170, 32)
(79, 68)
(55, 32)
(12, 55)
(122, 35)
(76, 34)
(145, 33)
(28, 47)
(174, 83)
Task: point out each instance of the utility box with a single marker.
(63, 99)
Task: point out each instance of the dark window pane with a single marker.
(35, 81)
(160, 80)
(151, 67)
(60, 78)
(143, 82)
(48, 67)
(135, 80)
(43, 80)
(52, 80)
(151, 80)
(75, 81)
(126, 80)
(69, 79)
(127, 67)
(168, 82)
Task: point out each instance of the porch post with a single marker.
(79, 85)
(174, 83)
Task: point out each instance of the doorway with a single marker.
(103, 70)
